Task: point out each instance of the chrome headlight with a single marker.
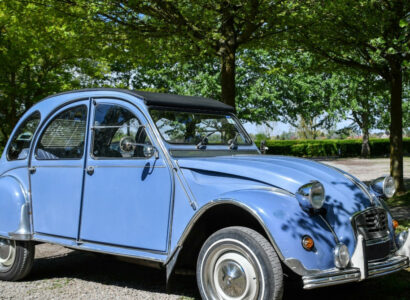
(389, 187)
(311, 195)
(384, 186)
(341, 256)
(401, 238)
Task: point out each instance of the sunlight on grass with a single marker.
(403, 200)
(403, 225)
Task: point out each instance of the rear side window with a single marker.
(20, 145)
(64, 136)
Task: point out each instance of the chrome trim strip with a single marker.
(99, 251)
(207, 206)
(61, 166)
(81, 242)
(135, 167)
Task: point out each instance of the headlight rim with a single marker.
(305, 195)
(317, 183)
(387, 178)
(337, 258)
(378, 186)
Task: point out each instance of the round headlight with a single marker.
(401, 238)
(341, 255)
(311, 195)
(388, 187)
(317, 195)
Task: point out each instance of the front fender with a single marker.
(286, 224)
(14, 212)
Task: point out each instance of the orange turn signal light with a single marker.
(395, 224)
(308, 243)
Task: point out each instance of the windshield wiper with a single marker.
(204, 141)
(232, 143)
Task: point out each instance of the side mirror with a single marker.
(150, 151)
(127, 144)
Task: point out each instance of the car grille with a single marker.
(373, 225)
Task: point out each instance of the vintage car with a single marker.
(176, 182)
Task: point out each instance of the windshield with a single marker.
(193, 128)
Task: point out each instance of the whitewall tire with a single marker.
(238, 263)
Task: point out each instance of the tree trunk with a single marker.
(228, 76)
(396, 126)
(365, 143)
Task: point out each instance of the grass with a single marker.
(403, 225)
(402, 200)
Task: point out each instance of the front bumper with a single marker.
(359, 270)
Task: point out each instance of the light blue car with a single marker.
(176, 182)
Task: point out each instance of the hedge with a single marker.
(321, 148)
(338, 148)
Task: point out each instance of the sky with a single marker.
(279, 127)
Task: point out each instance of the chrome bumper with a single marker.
(359, 270)
(336, 276)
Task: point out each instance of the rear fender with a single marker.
(15, 209)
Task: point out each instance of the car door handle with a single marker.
(90, 170)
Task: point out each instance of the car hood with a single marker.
(344, 193)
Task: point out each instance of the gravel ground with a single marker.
(60, 273)
(367, 169)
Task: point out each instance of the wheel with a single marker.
(16, 259)
(239, 263)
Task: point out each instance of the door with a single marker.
(127, 196)
(57, 172)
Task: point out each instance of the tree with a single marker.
(193, 28)
(39, 55)
(370, 36)
(363, 100)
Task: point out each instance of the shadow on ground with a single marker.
(109, 271)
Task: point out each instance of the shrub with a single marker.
(340, 148)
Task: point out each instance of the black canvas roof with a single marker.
(168, 100)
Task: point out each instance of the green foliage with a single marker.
(336, 148)
(40, 54)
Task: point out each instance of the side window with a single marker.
(64, 136)
(114, 125)
(20, 145)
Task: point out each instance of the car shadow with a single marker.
(108, 270)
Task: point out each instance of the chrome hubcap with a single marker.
(230, 273)
(231, 278)
(7, 254)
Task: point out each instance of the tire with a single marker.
(16, 259)
(239, 263)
